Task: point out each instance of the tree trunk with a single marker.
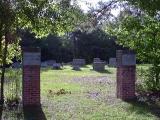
(157, 76)
(1, 63)
(1, 54)
(4, 56)
(74, 48)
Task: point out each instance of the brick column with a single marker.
(31, 77)
(126, 75)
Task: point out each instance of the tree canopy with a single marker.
(137, 27)
(41, 17)
(149, 6)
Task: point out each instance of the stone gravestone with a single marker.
(50, 63)
(57, 66)
(44, 64)
(99, 66)
(112, 62)
(126, 75)
(76, 67)
(31, 76)
(79, 62)
(96, 60)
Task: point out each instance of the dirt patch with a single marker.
(100, 88)
(94, 80)
(59, 92)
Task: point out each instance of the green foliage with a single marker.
(13, 52)
(13, 86)
(95, 44)
(148, 81)
(149, 6)
(61, 48)
(41, 17)
(44, 17)
(141, 34)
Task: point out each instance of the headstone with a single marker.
(96, 60)
(44, 64)
(79, 62)
(50, 62)
(76, 67)
(16, 65)
(57, 66)
(31, 76)
(126, 75)
(112, 62)
(99, 66)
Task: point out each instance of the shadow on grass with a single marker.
(104, 71)
(85, 66)
(143, 107)
(33, 113)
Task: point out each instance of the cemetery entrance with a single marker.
(29, 89)
(126, 66)
(68, 90)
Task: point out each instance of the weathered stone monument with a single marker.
(76, 68)
(57, 66)
(126, 74)
(99, 66)
(44, 64)
(79, 62)
(112, 62)
(50, 63)
(31, 76)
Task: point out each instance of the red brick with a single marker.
(126, 77)
(31, 84)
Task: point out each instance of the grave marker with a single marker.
(79, 62)
(99, 66)
(112, 62)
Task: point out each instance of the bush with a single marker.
(148, 79)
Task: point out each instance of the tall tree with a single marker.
(39, 16)
(139, 31)
(136, 27)
(149, 6)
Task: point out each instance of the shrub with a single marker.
(149, 79)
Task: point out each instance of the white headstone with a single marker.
(79, 62)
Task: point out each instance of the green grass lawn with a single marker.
(83, 95)
(87, 95)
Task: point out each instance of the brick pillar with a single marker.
(126, 75)
(31, 76)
